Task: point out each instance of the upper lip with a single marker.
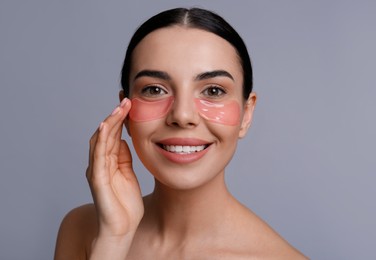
(183, 141)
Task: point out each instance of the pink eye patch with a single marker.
(226, 114)
(142, 111)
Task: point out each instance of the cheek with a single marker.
(225, 114)
(143, 111)
(140, 136)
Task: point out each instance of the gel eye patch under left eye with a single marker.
(222, 113)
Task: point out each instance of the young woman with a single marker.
(186, 100)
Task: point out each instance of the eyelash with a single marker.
(146, 91)
(217, 88)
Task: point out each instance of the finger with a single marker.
(112, 124)
(99, 153)
(118, 115)
(99, 180)
(116, 131)
(114, 139)
(92, 143)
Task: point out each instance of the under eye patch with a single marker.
(222, 113)
(143, 111)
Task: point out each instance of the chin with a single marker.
(183, 180)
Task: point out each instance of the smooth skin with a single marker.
(190, 214)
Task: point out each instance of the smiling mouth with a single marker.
(183, 149)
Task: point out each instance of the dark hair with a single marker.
(192, 18)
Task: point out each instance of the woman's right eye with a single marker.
(152, 91)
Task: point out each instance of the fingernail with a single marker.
(101, 126)
(123, 102)
(116, 110)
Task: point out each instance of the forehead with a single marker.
(185, 51)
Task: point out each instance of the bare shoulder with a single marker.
(76, 232)
(260, 241)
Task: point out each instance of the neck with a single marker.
(180, 214)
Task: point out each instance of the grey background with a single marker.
(307, 166)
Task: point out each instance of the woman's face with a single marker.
(187, 106)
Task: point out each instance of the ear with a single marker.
(249, 108)
(121, 97)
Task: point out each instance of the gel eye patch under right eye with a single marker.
(143, 111)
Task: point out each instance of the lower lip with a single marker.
(183, 158)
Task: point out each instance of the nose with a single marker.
(183, 112)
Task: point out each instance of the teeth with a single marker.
(183, 149)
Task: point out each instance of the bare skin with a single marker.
(190, 214)
(184, 230)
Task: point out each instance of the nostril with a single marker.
(183, 114)
(182, 124)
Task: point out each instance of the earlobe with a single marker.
(249, 108)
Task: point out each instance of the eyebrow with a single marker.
(213, 74)
(202, 76)
(153, 74)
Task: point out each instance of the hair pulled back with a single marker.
(191, 18)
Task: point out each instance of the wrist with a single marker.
(111, 247)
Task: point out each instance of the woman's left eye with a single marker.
(214, 92)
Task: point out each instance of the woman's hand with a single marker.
(114, 187)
